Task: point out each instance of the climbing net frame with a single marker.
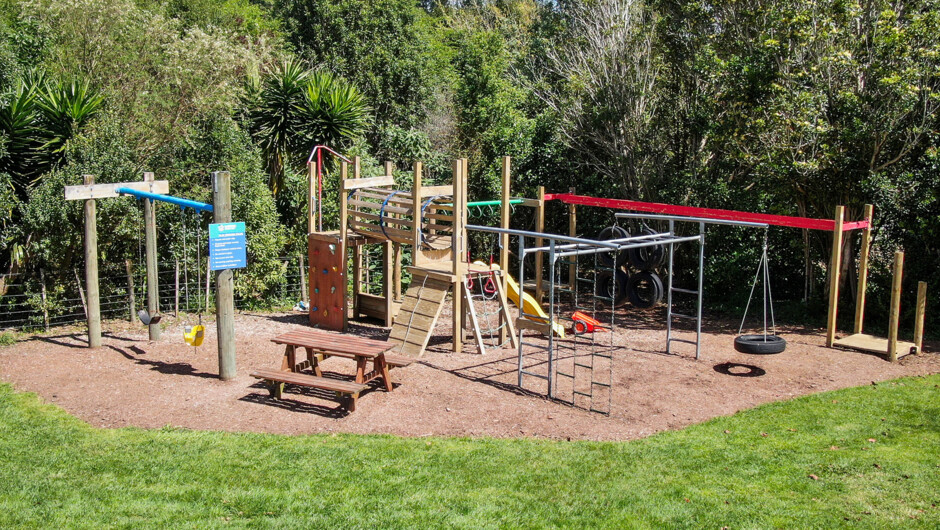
(599, 353)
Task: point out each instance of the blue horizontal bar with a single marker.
(185, 203)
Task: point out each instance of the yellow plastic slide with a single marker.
(530, 306)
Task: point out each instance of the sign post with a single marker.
(226, 252)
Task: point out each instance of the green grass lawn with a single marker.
(862, 457)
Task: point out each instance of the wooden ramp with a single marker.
(420, 309)
(873, 344)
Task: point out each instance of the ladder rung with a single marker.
(562, 374)
(583, 365)
(686, 291)
(602, 356)
(540, 376)
(680, 315)
(683, 340)
(585, 394)
(600, 384)
(535, 345)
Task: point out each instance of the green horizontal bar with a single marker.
(488, 203)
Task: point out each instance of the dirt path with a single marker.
(130, 382)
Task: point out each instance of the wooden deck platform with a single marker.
(873, 344)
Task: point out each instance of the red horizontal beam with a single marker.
(709, 213)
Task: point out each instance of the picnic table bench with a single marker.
(318, 346)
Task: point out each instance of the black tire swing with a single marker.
(765, 344)
(612, 285)
(646, 258)
(645, 289)
(607, 258)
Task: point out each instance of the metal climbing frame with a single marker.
(561, 250)
(698, 293)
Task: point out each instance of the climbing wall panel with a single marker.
(326, 256)
(420, 309)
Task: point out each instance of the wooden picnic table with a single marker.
(320, 345)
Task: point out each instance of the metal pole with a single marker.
(551, 316)
(701, 268)
(224, 284)
(93, 308)
(764, 261)
(150, 241)
(521, 297)
(311, 198)
(672, 226)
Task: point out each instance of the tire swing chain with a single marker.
(762, 265)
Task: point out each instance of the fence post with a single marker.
(81, 292)
(45, 306)
(131, 302)
(176, 290)
(303, 280)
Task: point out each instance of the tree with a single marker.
(600, 78)
(290, 110)
(386, 48)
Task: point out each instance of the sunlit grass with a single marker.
(866, 456)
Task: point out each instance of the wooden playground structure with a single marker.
(433, 221)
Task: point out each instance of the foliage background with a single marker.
(771, 106)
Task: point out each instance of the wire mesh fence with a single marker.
(46, 299)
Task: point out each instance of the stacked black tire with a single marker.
(644, 287)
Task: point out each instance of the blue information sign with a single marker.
(227, 247)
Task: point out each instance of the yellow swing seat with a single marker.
(193, 335)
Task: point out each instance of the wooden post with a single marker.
(388, 281)
(176, 290)
(303, 280)
(150, 237)
(504, 211)
(93, 302)
(45, 305)
(573, 232)
(416, 254)
(539, 227)
(835, 264)
(224, 284)
(357, 256)
(919, 316)
(457, 255)
(863, 272)
(131, 301)
(895, 309)
(396, 272)
(342, 250)
(311, 196)
(343, 204)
